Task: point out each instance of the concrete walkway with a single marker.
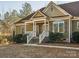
(51, 46)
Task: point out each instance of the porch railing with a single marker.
(29, 37)
(43, 35)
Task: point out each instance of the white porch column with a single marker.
(48, 28)
(25, 27)
(34, 28)
(15, 29)
(45, 27)
(69, 30)
(45, 24)
(25, 30)
(48, 25)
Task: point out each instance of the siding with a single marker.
(50, 26)
(29, 27)
(54, 12)
(67, 28)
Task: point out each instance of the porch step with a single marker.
(45, 40)
(34, 40)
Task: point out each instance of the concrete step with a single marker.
(34, 40)
(45, 40)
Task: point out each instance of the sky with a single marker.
(17, 5)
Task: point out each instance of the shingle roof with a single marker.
(72, 8)
(26, 18)
(29, 16)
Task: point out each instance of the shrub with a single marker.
(10, 38)
(75, 37)
(17, 38)
(24, 38)
(53, 37)
(20, 38)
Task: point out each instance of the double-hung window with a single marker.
(58, 26)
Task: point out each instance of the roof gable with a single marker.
(56, 7)
(38, 14)
(52, 11)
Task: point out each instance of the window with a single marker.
(55, 27)
(77, 25)
(19, 29)
(61, 27)
(58, 26)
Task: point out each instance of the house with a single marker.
(63, 18)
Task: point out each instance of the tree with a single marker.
(0, 15)
(11, 16)
(26, 10)
(14, 16)
(8, 21)
(14, 13)
(4, 27)
(6, 15)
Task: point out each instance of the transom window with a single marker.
(58, 26)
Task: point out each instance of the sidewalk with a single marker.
(51, 46)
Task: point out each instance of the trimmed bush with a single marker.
(20, 38)
(24, 38)
(17, 38)
(51, 37)
(75, 37)
(56, 37)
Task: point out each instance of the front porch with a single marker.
(37, 28)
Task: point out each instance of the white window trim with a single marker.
(77, 25)
(58, 26)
